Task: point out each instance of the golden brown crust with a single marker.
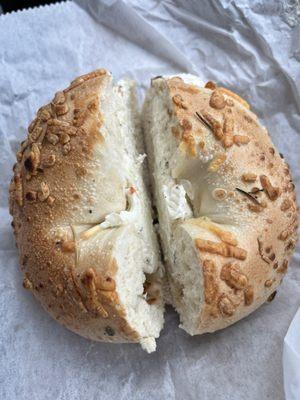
(255, 186)
(55, 166)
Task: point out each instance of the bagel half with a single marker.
(83, 220)
(82, 217)
(225, 199)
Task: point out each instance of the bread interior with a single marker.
(138, 277)
(174, 204)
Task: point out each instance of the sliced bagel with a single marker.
(225, 200)
(82, 217)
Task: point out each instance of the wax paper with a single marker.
(250, 46)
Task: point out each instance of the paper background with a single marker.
(246, 45)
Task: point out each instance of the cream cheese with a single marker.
(177, 205)
(124, 217)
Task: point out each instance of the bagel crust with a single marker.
(55, 168)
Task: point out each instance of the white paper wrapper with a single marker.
(250, 46)
(291, 360)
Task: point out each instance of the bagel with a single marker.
(82, 216)
(225, 199)
(83, 199)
